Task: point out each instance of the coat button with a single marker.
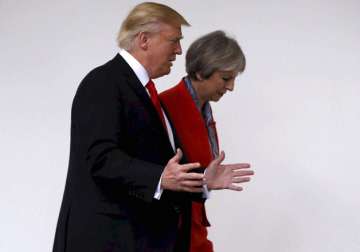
(177, 209)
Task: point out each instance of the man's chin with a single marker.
(166, 72)
(160, 74)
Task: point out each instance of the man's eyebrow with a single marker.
(178, 38)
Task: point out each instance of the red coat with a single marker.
(194, 141)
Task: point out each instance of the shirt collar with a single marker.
(192, 92)
(135, 65)
(206, 109)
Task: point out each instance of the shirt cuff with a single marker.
(206, 191)
(159, 190)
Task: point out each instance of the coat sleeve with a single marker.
(97, 123)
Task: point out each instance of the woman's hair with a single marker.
(213, 52)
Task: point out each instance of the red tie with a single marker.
(155, 100)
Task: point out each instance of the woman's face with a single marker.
(217, 85)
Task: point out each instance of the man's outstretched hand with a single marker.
(218, 176)
(177, 177)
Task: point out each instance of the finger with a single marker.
(193, 176)
(192, 183)
(177, 157)
(235, 188)
(240, 173)
(240, 179)
(190, 166)
(193, 189)
(220, 158)
(237, 166)
(217, 161)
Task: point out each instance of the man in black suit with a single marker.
(125, 188)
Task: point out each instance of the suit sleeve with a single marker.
(97, 121)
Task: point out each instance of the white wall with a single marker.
(295, 115)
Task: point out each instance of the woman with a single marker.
(212, 64)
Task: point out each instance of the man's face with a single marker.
(218, 84)
(162, 50)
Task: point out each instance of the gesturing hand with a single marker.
(218, 176)
(176, 177)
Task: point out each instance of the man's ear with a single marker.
(143, 40)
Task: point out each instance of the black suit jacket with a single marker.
(118, 151)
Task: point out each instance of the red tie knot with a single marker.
(151, 86)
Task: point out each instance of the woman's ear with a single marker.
(198, 76)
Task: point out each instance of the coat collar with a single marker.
(188, 123)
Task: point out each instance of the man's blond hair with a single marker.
(145, 17)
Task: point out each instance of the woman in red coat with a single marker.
(212, 64)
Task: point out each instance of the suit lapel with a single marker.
(134, 83)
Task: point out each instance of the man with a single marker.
(119, 147)
(125, 188)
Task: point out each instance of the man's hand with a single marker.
(176, 177)
(218, 176)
